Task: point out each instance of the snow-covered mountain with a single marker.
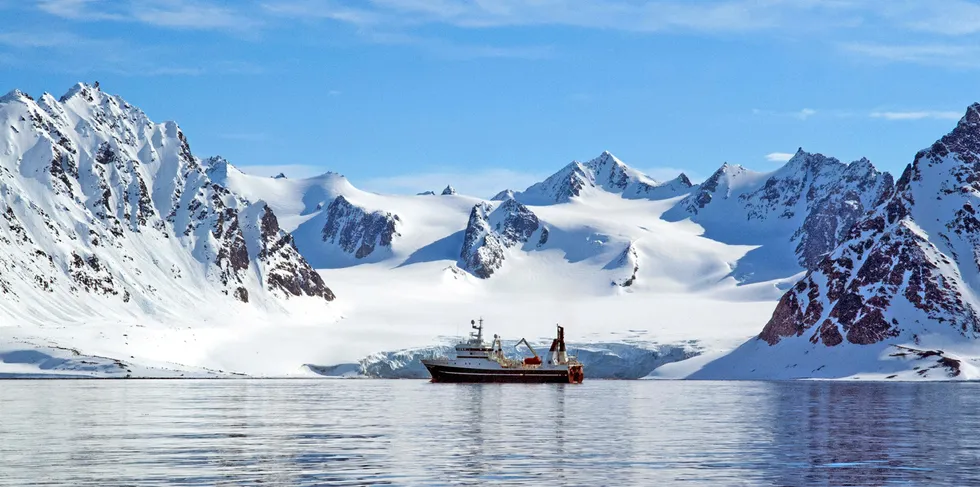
(798, 213)
(491, 230)
(100, 204)
(898, 297)
(606, 173)
(120, 248)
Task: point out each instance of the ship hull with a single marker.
(449, 373)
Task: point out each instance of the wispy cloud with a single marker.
(918, 115)
(455, 50)
(405, 22)
(88, 10)
(962, 56)
(179, 14)
(485, 183)
(947, 18)
(648, 16)
(779, 156)
(805, 113)
(62, 52)
(801, 114)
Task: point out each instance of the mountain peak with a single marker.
(218, 168)
(81, 89)
(281, 175)
(604, 159)
(684, 180)
(963, 140)
(606, 173)
(449, 191)
(607, 155)
(504, 195)
(14, 94)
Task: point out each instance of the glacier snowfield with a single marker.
(124, 254)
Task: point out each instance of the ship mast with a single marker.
(478, 334)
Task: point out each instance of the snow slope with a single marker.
(415, 286)
(796, 213)
(107, 218)
(604, 173)
(121, 253)
(423, 288)
(898, 298)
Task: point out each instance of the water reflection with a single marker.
(876, 434)
(417, 433)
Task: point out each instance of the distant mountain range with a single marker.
(106, 216)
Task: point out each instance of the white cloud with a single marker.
(779, 156)
(79, 9)
(178, 14)
(947, 17)
(59, 52)
(456, 50)
(928, 114)
(801, 114)
(484, 184)
(648, 16)
(945, 55)
(805, 113)
(402, 21)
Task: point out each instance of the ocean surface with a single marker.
(412, 432)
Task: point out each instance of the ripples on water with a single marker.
(374, 432)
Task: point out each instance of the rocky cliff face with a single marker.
(605, 172)
(98, 199)
(279, 260)
(811, 202)
(909, 269)
(490, 232)
(357, 231)
(627, 262)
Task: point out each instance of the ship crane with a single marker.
(535, 360)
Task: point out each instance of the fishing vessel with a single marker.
(478, 361)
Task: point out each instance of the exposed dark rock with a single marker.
(889, 257)
(357, 231)
(490, 231)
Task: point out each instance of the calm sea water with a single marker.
(375, 432)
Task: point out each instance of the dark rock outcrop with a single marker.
(357, 231)
(908, 268)
(124, 203)
(605, 172)
(491, 231)
(812, 202)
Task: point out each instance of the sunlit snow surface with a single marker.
(640, 287)
(681, 296)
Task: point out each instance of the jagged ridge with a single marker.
(98, 199)
(909, 269)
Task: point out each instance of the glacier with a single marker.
(124, 254)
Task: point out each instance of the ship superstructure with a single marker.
(479, 361)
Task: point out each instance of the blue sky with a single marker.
(409, 95)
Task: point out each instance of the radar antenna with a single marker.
(478, 334)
